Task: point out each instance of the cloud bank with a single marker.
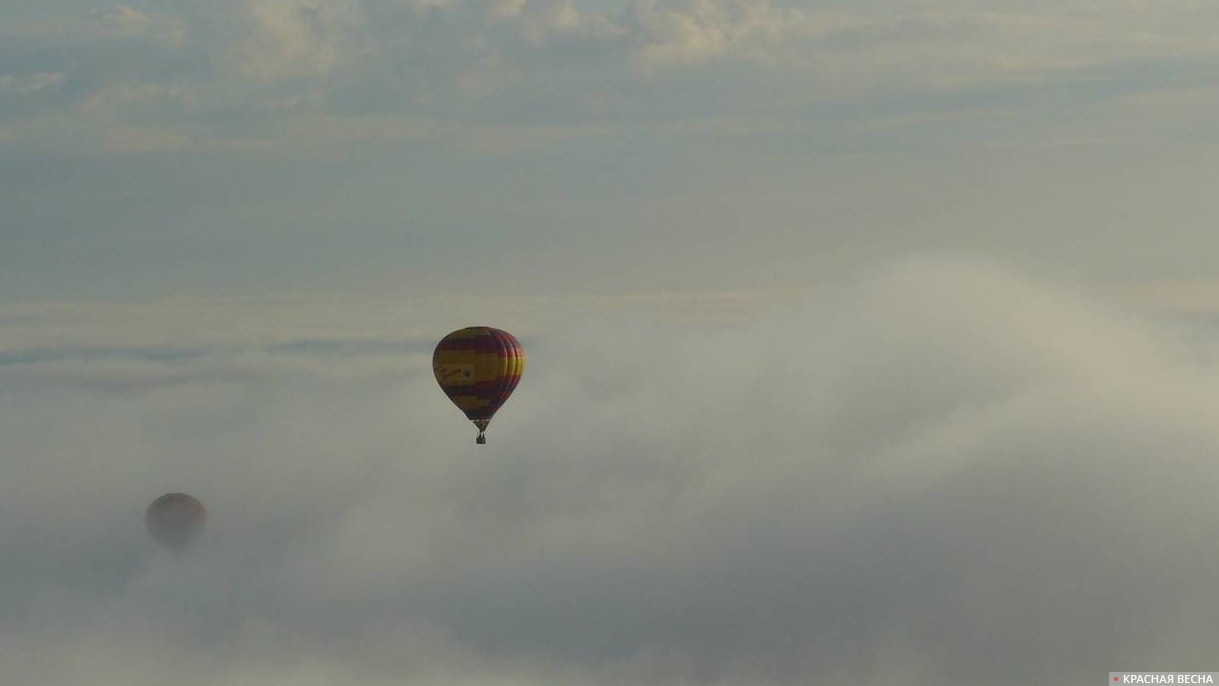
(941, 472)
(254, 71)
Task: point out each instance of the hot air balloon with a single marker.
(174, 520)
(478, 367)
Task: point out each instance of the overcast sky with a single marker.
(549, 146)
(848, 351)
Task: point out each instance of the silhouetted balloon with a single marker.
(478, 368)
(174, 520)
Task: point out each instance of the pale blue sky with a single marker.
(435, 146)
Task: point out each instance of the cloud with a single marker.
(280, 39)
(30, 83)
(274, 66)
(940, 472)
(121, 22)
(698, 32)
(125, 20)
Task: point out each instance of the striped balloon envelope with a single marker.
(478, 367)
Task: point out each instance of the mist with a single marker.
(939, 471)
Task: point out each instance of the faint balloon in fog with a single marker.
(175, 520)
